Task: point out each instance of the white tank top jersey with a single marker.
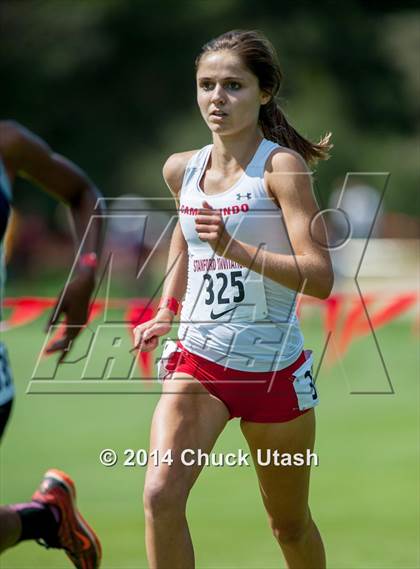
(231, 315)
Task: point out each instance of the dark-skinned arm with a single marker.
(28, 156)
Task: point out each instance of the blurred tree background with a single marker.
(110, 83)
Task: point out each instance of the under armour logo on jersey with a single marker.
(247, 196)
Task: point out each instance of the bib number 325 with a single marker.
(226, 296)
(219, 286)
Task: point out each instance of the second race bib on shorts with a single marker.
(304, 384)
(169, 350)
(221, 290)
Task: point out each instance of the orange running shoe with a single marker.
(74, 534)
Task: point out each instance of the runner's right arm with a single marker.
(146, 336)
(26, 155)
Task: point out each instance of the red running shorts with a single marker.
(268, 397)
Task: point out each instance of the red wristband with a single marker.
(170, 303)
(88, 260)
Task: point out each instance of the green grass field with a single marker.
(364, 494)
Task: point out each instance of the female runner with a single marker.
(246, 243)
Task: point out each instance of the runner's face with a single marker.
(228, 94)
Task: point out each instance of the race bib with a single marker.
(169, 350)
(304, 384)
(223, 291)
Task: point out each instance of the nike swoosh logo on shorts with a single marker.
(214, 316)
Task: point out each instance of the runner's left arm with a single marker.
(308, 269)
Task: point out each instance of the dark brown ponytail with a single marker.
(275, 127)
(260, 57)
